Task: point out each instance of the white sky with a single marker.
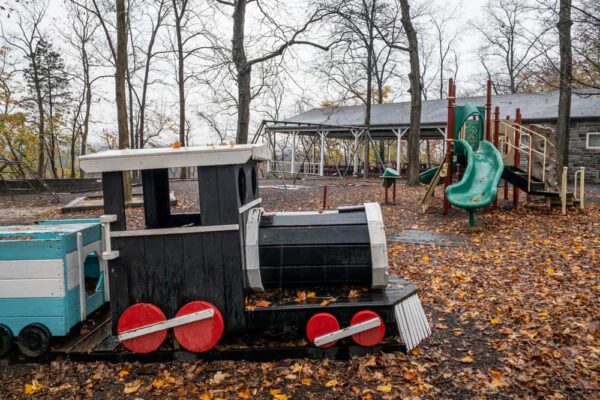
(164, 96)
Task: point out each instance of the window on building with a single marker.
(593, 140)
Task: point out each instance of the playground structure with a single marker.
(481, 151)
(16, 169)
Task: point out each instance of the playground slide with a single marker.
(479, 184)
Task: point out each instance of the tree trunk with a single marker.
(180, 77)
(415, 95)
(86, 119)
(41, 165)
(244, 71)
(120, 91)
(564, 100)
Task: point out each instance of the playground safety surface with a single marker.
(514, 315)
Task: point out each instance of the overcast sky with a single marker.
(301, 79)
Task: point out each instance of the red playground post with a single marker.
(497, 139)
(449, 142)
(488, 112)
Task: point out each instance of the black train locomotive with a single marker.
(193, 273)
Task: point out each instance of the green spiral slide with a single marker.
(479, 184)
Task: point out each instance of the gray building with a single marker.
(392, 121)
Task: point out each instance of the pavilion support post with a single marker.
(293, 163)
(322, 134)
(269, 161)
(357, 134)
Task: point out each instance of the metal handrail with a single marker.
(524, 131)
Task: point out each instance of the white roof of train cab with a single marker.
(159, 158)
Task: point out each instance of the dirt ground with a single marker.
(514, 313)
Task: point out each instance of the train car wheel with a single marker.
(6, 340)
(203, 335)
(372, 336)
(34, 340)
(137, 316)
(321, 324)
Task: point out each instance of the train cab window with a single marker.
(242, 185)
(91, 267)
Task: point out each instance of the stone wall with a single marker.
(579, 156)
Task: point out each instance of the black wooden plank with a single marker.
(314, 255)
(214, 273)
(156, 286)
(134, 253)
(157, 207)
(114, 198)
(118, 281)
(233, 279)
(348, 234)
(307, 275)
(175, 274)
(209, 195)
(281, 220)
(229, 193)
(196, 286)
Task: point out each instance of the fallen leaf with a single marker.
(311, 295)
(384, 388)
(306, 381)
(33, 387)
(132, 387)
(467, 359)
(123, 373)
(354, 294)
(426, 259)
(158, 383)
(262, 303)
(218, 377)
(496, 321)
(277, 395)
(300, 296)
(331, 383)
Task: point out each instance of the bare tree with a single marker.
(26, 40)
(564, 100)
(286, 35)
(415, 95)
(445, 40)
(363, 60)
(509, 48)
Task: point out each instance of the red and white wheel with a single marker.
(137, 316)
(202, 335)
(321, 324)
(372, 336)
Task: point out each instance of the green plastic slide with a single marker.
(479, 184)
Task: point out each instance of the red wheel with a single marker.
(372, 336)
(321, 324)
(136, 316)
(203, 335)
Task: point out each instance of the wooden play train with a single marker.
(228, 269)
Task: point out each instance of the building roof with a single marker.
(158, 158)
(535, 107)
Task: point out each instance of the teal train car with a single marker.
(52, 276)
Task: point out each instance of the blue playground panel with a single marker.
(39, 274)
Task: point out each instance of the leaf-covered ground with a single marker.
(515, 313)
